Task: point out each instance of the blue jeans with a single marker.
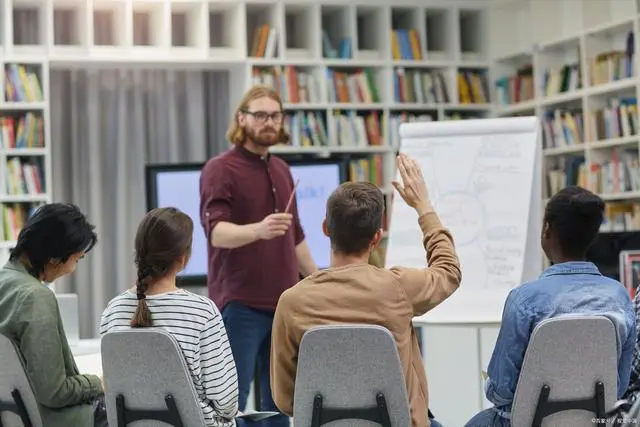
(488, 418)
(240, 422)
(249, 333)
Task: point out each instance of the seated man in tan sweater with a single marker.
(354, 291)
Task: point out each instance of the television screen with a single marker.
(181, 189)
(317, 182)
(178, 186)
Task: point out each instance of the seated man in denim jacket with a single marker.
(570, 286)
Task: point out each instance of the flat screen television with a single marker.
(177, 185)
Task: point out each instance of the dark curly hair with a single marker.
(574, 215)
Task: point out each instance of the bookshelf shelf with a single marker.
(335, 63)
(574, 66)
(25, 157)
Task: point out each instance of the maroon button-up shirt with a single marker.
(242, 188)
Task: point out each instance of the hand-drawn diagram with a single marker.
(464, 213)
(480, 189)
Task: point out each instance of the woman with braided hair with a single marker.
(162, 250)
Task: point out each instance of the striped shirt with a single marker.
(196, 324)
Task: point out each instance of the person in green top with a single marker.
(54, 239)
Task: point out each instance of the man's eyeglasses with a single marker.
(262, 116)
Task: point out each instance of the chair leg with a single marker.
(383, 410)
(173, 411)
(543, 398)
(601, 412)
(121, 411)
(316, 416)
(22, 409)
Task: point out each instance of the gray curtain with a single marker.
(106, 125)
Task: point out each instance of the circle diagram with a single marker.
(463, 214)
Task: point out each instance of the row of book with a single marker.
(22, 132)
(472, 87)
(360, 86)
(618, 119)
(343, 50)
(350, 128)
(22, 84)
(13, 216)
(562, 128)
(560, 80)
(614, 65)
(23, 176)
(357, 86)
(565, 172)
(610, 66)
(621, 216)
(294, 85)
(353, 130)
(419, 86)
(516, 88)
(367, 169)
(619, 173)
(264, 42)
(405, 45)
(308, 129)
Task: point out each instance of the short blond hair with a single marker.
(235, 133)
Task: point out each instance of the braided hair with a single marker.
(142, 316)
(162, 244)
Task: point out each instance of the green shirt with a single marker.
(30, 316)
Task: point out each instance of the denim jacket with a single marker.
(575, 288)
(635, 366)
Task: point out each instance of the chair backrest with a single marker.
(349, 365)
(145, 366)
(569, 354)
(13, 377)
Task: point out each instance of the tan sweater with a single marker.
(363, 293)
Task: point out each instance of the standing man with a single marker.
(257, 247)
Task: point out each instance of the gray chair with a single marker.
(18, 405)
(147, 380)
(350, 375)
(569, 375)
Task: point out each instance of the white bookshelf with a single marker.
(25, 154)
(577, 32)
(449, 37)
